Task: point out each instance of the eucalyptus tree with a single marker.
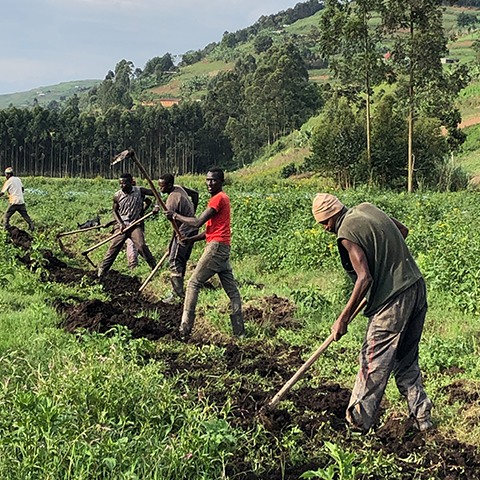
(350, 39)
(419, 44)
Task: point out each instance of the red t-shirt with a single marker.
(218, 227)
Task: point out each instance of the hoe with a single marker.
(276, 399)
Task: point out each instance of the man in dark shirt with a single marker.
(182, 201)
(127, 208)
(373, 251)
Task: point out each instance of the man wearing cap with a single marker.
(13, 186)
(374, 253)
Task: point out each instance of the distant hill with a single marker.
(461, 39)
(44, 95)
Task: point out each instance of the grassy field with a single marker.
(115, 405)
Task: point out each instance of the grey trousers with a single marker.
(22, 210)
(138, 238)
(215, 259)
(391, 345)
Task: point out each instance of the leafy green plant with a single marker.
(343, 469)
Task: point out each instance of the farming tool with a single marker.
(154, 271)
(130, 153)
(121, 232)
(276, 399)
(96, 227)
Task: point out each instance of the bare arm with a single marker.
(364, 280)
(116, 214)
(403, 229)
(195, 238)
(196, 222)
(146, 191)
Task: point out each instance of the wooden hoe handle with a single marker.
(276, 399)
(136, 222)
(158, 198)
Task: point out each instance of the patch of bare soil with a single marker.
(273, 313)
(20, 238)
(459, 392)
(128, 307)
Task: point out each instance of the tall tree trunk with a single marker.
(410, 126)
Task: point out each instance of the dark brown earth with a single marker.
(253, 371)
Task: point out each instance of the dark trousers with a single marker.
(22, 210)
(138, 238)
(179, 255)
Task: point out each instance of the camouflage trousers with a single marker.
(391, 345)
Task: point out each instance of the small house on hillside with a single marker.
(168, 102)
(165, 102)
(449, 60)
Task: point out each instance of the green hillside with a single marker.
(44, 95)
(459, 48)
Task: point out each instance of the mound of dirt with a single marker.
(128, 307)
(20, 238)
(458, 392)
(97, 316)
(273, 313)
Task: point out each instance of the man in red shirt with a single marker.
(215, 258)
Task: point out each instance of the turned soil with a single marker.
(252, 372)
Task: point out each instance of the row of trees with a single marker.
(244, 109)
(350, 35)
(70, 143)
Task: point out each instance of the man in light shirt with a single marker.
(13, 186)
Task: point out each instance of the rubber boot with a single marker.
(238, 326)
(177, 290)
(187, 323)
(177, 284)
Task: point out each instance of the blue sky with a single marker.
(45, 42)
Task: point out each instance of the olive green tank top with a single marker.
(389, 260)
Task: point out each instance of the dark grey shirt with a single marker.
(130, 205)
(179, 202)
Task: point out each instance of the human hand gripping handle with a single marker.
(339, 328)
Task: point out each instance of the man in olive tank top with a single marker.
(374, 253)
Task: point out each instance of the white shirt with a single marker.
(14, 188)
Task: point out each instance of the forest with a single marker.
(246, 110)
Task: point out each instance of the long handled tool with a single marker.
(111, 237)
(154, 271)
(276, 399)
(130, 153)
(96, 227)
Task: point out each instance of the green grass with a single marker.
(96, 406)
